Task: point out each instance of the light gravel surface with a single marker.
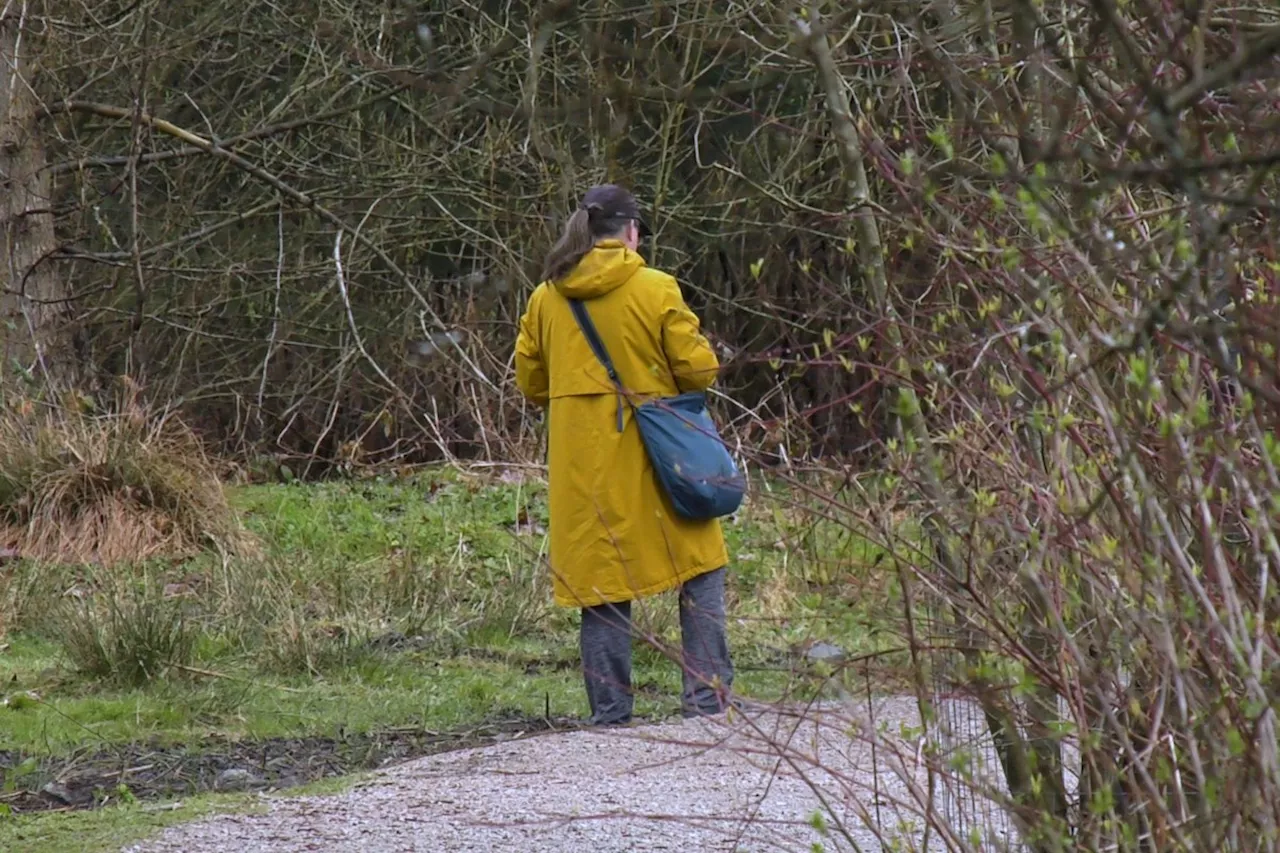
(752, 782)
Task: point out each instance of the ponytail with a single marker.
(572, 246)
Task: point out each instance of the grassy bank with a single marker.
(416, 605)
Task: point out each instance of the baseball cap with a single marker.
(610, 201)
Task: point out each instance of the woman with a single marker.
(614, 536)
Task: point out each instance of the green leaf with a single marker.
(1235, 742)
(1103, 801)
(939, 137)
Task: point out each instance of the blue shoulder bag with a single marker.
(688, 456)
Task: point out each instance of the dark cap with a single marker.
(610, 201)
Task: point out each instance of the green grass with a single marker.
(284, 647)
(110, 829)
(406, 690)
(435, 558)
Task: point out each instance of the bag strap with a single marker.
(589, 332)
(593, 339)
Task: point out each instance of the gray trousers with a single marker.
(707, 671)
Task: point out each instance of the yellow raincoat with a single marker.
(614, 536)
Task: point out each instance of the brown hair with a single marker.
(604, 212)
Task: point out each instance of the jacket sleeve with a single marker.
(531, 367)
(693, 362)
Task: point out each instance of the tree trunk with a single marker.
(35, 333)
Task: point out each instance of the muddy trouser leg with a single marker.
(708, 671)
(605, 641)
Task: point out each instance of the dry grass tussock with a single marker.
(109, 489)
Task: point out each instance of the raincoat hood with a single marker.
(605, 268)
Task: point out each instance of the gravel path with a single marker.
(750, 783)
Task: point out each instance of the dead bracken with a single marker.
(108, 489)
